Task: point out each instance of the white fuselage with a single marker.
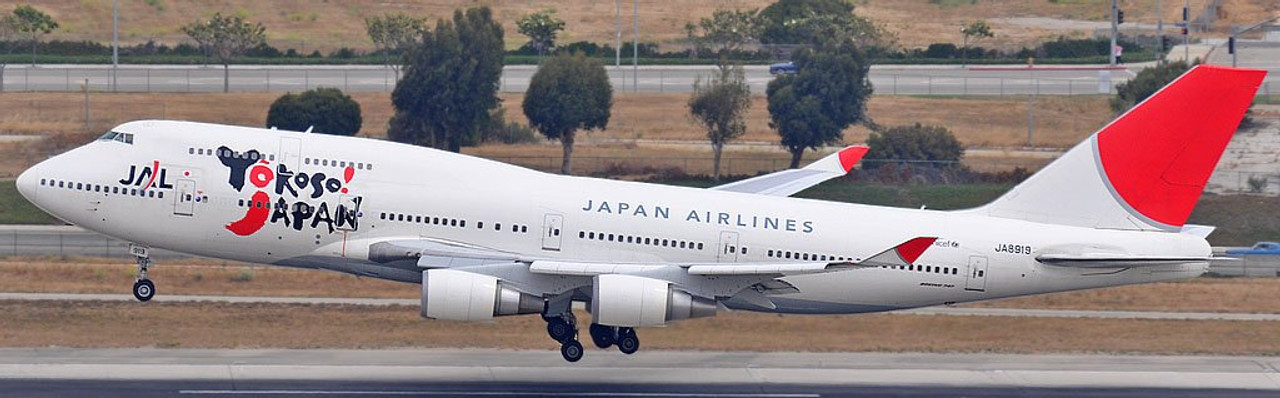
(189, 205)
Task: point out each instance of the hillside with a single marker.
(326, 25)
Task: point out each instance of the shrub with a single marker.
(328, 110)
(929, 146)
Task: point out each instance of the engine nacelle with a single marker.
(634, 301)
(454, 295)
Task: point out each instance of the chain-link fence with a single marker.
(67, 241)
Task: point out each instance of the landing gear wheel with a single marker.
(628, 342)
(560, 331)
(144, 290)
(601, 335)
(571, 350)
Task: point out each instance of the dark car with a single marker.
(785, 67)
(1260, 248)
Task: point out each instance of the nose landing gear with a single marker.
(143, 288)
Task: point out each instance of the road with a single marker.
(901, 80)
(480, 372)
(945, 311)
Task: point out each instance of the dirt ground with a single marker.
(220, 325)
(325, 26)
(643, 126)
(208, 277)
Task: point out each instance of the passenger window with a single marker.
(524, 229)
(191, 151)
(581, 234)
(453, 223)
(462, 223)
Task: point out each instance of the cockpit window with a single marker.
(117, 136)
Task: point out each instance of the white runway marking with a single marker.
(492, 393)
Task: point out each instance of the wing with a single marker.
(902, 254)
(788, 182)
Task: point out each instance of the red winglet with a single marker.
(913, 249)
(850, 156)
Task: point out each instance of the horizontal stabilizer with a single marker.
(1113, 260)
(789, 182)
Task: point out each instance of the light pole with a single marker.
(635, 47)
(1114, 31)
(115, 42)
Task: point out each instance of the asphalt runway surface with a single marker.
(149, 372)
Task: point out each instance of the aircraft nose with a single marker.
(27, 184)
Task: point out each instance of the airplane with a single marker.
(486, 239)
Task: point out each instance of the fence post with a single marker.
(344, 81)
(188, 72)
(306, 79)
(662, 80)
(268, 80)
(966, 85)
(929, 84)
(68, 78)
(148, 80)
(895, 84)
(1001, 86)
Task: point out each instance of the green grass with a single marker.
(15, 209)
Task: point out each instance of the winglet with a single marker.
(851, 155)
(903, 254)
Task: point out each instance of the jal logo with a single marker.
(147, 176)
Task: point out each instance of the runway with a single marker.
(944, 311)
(502, 373)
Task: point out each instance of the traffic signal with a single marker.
(1119, 17)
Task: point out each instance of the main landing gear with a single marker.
(143, 289)
(563, 329)
(605, 336)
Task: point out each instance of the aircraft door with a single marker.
(977, 278)
(184, 202)
(551, 231)
(290, 152)
(728, 247)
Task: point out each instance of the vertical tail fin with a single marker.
(1148, 167)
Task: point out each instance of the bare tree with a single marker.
(227, 37)
(394, 34)
(720, 105)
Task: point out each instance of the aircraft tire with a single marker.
(144, 290)
(571, 350)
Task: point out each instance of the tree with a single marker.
(729, 30)
(32, 23)
(720, 104)
(325, 109)
(450, 83)
(913, 143)
(8, 29)
(691, 37)
(1146, 83)
(227, 37)
(393, 35)
(827, 94)
(541, 27)
(818, 22)
(977, 30)
(568, 93)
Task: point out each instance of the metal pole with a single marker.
(1031, 114)
(1114, 31)
(115, 42)
(1186, 37)
(635, 47)
(86, 118)
(1159, 32)
(1235, 45)
(617, 49)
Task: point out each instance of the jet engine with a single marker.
(454, 295)
(633, 301)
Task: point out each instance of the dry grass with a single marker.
(310, 25)
(210, 277)
(220, 325)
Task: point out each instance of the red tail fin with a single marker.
(1159, 155)
(1147, 168)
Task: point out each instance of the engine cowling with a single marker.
(635, 301)
(454, 295)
